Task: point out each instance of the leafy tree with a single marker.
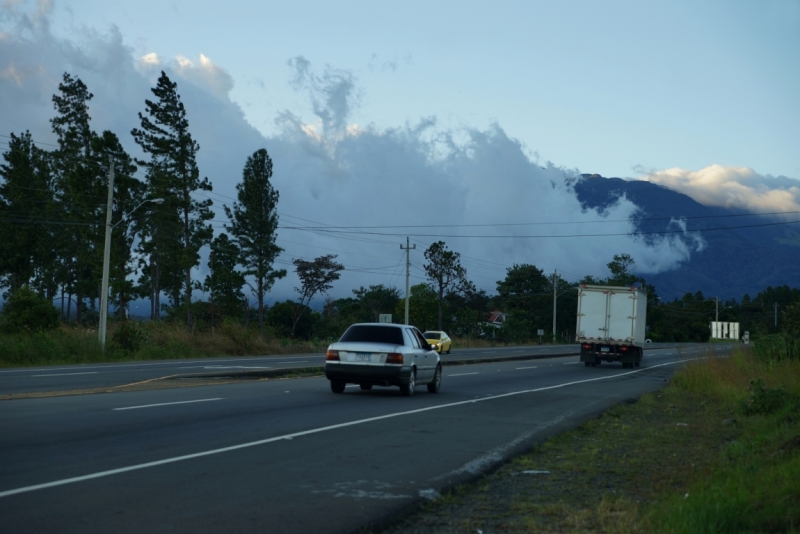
(281, 319)
(525, 288)
(621, 268)
(79, 190)
(25, 194)
(470, 306)
(791, 319)
(316, 276)
(254, 224)
(444, 270)
(27, 311)
(376, 300)
(526, 294)
(422, 306)
(173, 175)
(224, 282)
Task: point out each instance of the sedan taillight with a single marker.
(332, 356)
(394, 357)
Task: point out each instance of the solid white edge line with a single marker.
(534, 367)
(463, 374)
(165, 404)
(309, 432)
(67, 374)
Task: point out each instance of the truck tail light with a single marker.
(332, 356)
(394, 357)
(624, 348)
(586, 346)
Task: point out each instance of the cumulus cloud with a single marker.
(206, 74)
(732, 187)
(334, 173)
(149, 61)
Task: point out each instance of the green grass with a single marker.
(755, 483)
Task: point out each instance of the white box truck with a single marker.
(611, 324)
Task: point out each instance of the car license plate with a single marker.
(363, 357)
(604, 349)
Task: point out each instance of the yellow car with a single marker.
(440, 341)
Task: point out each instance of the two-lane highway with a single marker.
(287, 455)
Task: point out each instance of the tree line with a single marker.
(52, 208)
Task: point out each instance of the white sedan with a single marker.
(381, 354)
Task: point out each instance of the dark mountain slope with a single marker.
(734, 262)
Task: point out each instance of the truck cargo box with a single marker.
(611, 324)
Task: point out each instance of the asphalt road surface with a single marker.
(77, 377)
(288, 455)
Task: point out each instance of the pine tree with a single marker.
(26, 199)
(79, 190)
(224, 282)
(174, 239)
(254, 224)
(129, 192)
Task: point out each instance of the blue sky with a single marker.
(441, 113)
(601, 86)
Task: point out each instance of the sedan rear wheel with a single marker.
(337, 386)
(436, 383)
(448, 348)
(408, 389)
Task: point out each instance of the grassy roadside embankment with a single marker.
(135, 341)
(717, 450)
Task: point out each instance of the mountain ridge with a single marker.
(735, 261)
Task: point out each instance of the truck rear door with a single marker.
(621, 313)
(592, 315)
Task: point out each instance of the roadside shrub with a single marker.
(130, 336)
(764, 400)
(26, 311)
(242, 338)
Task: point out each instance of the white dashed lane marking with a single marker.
(166, 404)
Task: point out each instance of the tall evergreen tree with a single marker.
(174, 240)
(26, 198)
(254, 224)
(78, 189)
(224, 282)
(129, 192)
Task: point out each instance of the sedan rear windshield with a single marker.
(374, 334)
(432, 335)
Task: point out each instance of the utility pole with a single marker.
(106, 257)
(408, 250)
(555, 297)
(776, 314)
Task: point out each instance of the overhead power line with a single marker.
(559, 236)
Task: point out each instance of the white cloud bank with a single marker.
(338, 174)
(732, 187)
